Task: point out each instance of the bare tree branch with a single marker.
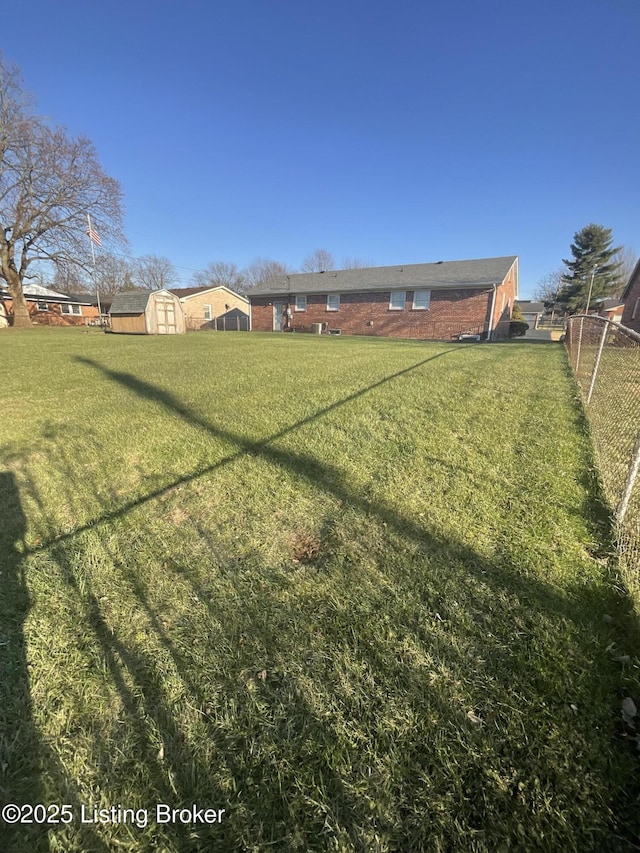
(154, 272)
(220, 274)
(263, 269)
(320, 260)
(356, 264)
(49, 182)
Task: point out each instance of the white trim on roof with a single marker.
(210, 290)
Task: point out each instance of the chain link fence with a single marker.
(605, 358)
(230, 322)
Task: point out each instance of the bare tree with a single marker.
(356, 264)
(220, 274)
(549, 286)
(49, 182)
(112, 274)
(70, 278)
(263, 269)
(154, 272)
(320, 260)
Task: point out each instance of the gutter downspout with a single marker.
(493, 308)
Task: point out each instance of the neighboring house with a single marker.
(631, 299)
(609, 308)
(531, 311)
(204, 306)
(147, 312)
(49, 308)
(436, 301)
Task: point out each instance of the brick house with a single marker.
(211, 307)
(436, 301)
(50, 308)
(610, 309)
(631, 299)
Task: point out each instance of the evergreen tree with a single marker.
(593, 255)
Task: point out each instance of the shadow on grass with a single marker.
(22, 752)
(315, 717)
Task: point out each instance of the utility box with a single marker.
(316, 328)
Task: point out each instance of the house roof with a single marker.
(37, 292)
(130, 302)
(530, 307)
(607, 303)
(186, 292)
(631, 281)
(87, 298)
(483, 272)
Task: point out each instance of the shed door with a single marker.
(166, 313)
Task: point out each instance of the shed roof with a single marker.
(483, 272)
(130, 302)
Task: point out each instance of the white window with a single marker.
(70, 309)
(42, 306)
(207, 312)
(636, 309)
(301, 303)
(333, 302)
(398, 300)
(421, 300)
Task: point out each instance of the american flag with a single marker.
(94, 236)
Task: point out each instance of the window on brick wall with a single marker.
(43, 306)
(207, 312)
(70, 309)
(301, 303)
(333, 302)
(398, 300)
(421, 300)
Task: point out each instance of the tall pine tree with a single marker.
(593, 255)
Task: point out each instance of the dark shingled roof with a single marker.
(182, 292)
(130, 302)
(442, 274)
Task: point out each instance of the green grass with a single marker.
(350, 590)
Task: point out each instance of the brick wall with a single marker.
(220, 301)
(450, 313)
(53, 316)
(505, 298)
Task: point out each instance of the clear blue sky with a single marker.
(397, 132)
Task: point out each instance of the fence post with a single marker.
(597, 364)
(628, 486)
(579, 345)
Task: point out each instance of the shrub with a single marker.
(517, 328)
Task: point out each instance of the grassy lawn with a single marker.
(355, 592)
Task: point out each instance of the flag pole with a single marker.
(93, 258)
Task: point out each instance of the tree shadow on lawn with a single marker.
(338, 739)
